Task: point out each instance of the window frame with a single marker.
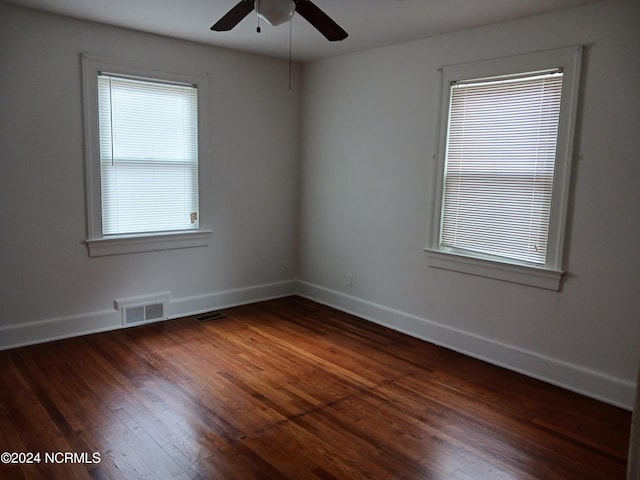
(546, 276)
(97, 243)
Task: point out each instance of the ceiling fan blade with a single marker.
(320, 20)
(233, 16)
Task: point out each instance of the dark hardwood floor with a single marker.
(289, 389)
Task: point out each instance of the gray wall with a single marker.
(369, 135)
(49, 286)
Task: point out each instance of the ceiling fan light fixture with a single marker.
(275, 12)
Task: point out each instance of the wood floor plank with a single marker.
(291, 389)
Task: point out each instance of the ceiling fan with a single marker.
(276, 12)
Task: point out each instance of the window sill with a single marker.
(521, 274)
(147, 243)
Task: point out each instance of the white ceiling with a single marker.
(370, 23)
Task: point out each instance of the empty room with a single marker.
(328, 239)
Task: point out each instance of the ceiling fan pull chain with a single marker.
(290, 49)
(257, 7)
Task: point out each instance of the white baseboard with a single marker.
(58, 328)
(616, 391)
(93, 322)
(183, 307)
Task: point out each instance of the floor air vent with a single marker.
(205, 317)
(143, 309)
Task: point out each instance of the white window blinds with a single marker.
(499, 167)
(148, 155)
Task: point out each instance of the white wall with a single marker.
(49, 287)
(368, 137)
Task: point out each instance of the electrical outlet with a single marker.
(285, 267)
(349, 279)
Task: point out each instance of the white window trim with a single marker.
(115, 245)
(147, 243)
(548, 276)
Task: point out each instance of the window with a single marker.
(148, 155)
(503, 167)
(143, 151)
